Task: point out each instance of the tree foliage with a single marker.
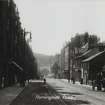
(55, 68)
(13, 46)
(81, 39)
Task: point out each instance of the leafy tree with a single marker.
(93, 41)
(81, 39)
(86, 37)
(55, 68)
(77, 41)
(44, 71)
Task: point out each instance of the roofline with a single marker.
(92, 57)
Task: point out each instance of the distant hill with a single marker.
(44, 60)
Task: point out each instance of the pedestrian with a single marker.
(28, 80)
(93, 84)
(73, 79)
(99, 81)
(103, 83)
(81, 81)
(44, 80)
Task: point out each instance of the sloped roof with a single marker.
(89, 53)
(84, 48)
(92, 57)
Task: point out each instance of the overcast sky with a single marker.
(52, 22)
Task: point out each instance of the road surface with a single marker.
(58, 92)
(78, 92)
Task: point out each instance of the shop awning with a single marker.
(18, 66)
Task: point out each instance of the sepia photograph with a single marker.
(52, 52)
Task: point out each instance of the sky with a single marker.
(53, 22)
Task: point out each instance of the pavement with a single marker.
(7, 95)
(89, 87)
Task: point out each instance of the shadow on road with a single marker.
(37, 93)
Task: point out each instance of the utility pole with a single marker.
(69, 62)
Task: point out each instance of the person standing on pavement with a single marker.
(44, 79)
(99, 81)
(103, 81)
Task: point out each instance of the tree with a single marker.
(86, 37)
(93, 41)
(44, 71)
(81, 39)
(12, 46)
(55, 68)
